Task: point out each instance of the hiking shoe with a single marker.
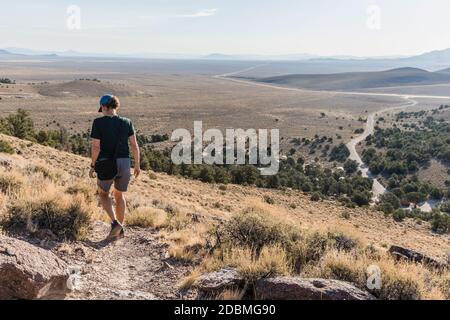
(122, 234)
(116, 230)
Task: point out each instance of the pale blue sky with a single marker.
(325, 27)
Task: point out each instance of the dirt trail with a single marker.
(132, 268)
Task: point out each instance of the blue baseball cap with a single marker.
(105, 100)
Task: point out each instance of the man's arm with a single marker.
(95, 151)
(136, 155)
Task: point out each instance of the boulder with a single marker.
(219, 281)
(29, 272)
(287, 288)
(410, 255)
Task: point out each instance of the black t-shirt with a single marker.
(113, 132)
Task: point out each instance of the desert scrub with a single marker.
(271, 261)
(68, 218)
(399, 280)
(444, 286)
(5, 147)
(340, 266)
(83, 189)
(147, 217)
(44, 171)
(189, 244)
(178, 221)
(269, 200)
(11, 182)
(255, 230)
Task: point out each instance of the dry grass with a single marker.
(190, 280)
(147, 217)
(33, 204)
(66, 217)
(272, 261)
(43, 171)
(11, 182)
(88, 191)
(188, 244)
(258, 245)
(231, 295)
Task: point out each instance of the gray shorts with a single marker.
(122, 180)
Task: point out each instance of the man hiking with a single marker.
(111, 164)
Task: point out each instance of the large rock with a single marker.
(219, 281)
(410, 255)
(308, 289)
(29, 272)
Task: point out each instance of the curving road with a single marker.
(378, 188)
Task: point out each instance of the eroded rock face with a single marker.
(219, 281)
(29, 272)
(308, 289)
(410, 255)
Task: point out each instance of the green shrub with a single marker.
(269, 200)
(361, 198)
(397, 288)
(346, 215)
(440, 222)
(316, 196)
(5, 147)
(399, 215)
(255, 231)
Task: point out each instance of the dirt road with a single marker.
(378, 188)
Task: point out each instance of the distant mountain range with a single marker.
(438, 55)
(434, 60)
(361, 80)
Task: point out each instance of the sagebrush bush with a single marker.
(255, 231)
(66, 217)
(341, 266)
(11, 182)
(5, 147)
(398, 287)
(399, 281)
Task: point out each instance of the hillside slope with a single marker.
(84, 88)
(360, 80)
(140, 266)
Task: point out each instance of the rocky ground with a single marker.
(136, 267)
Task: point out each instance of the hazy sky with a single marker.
(326, 27)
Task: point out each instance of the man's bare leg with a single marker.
(106, 203)
(120, 206)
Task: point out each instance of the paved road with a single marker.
(378, 188)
